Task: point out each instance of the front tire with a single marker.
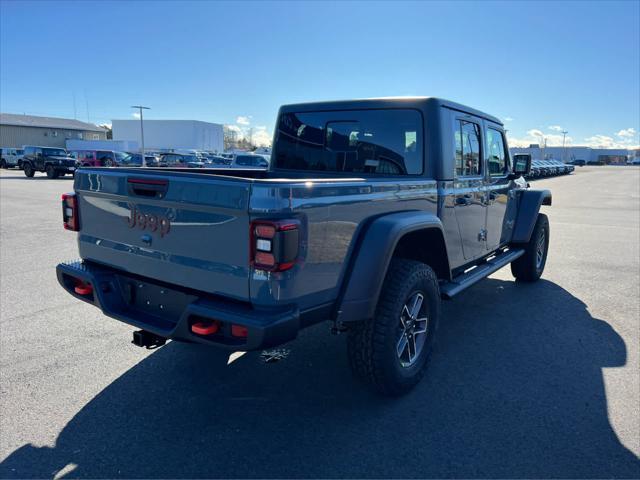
(51, 172)
(529, 267)
(390, 352)
(3, 164)
(28, 170)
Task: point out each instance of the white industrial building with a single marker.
(172, 134)
(588, 154)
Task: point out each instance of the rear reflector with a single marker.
(82, 288)
(202, 328)
(239, 331)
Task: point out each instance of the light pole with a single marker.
(140, 108)
(543, 141)
(564, 154)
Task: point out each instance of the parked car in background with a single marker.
(55, 162)
(543, 169)
(217, 161)
(11, 157)
(578, 162)
(561, 168)
(179, 160)
(135, 159)
(99, 158)
(249, 161)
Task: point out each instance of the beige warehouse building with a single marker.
(19, 130)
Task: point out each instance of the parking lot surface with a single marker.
(538, 380)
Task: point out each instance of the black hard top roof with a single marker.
(421, 103)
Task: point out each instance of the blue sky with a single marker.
(541, 67)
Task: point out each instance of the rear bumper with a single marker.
(169, 311)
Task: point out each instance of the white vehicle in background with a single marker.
(249, 161)
(11, 157)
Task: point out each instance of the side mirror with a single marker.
(521, 164)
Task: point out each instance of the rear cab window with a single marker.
(467, 144)
(497, 157)
(377, 141)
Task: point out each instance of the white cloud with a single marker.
(605, 141)
(508, 119)
(627, 138)
(556, 128)
(135, 115)
(243, 120)
(627, 132)
(260, 136)
(600, 141)
(534, 136)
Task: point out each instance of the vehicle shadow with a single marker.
(515, 389)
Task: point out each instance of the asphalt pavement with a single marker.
(537, 380)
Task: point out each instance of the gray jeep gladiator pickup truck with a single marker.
(370, 213)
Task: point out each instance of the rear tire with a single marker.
(28, 170)
(51, 172)
(380, 349)
(529, 267)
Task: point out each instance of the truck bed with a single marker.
(209, 211)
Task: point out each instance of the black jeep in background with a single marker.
(53, 161)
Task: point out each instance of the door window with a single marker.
(467, 139)
(496, 153)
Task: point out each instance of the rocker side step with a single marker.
(470, 277)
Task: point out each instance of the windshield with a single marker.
(359, 141)
(54, 152)
(122, 157)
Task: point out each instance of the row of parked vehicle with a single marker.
(549, 168)
(56, 162)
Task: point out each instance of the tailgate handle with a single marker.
(144, 187)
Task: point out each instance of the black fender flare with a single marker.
(370, 260)
(528, 209)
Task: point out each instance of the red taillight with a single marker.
(265, 231)
(274, 244)
(70, 212)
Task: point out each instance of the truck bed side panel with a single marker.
(331, 215)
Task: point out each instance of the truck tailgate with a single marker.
(186, 229)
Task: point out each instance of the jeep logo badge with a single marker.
(154, 223)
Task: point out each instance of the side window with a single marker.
(467, 139)
(496, 154)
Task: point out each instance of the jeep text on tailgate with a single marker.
(370, 213)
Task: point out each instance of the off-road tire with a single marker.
(527, 268)
(3, 164)
(372, 344)
(51, 172)
(28, 170)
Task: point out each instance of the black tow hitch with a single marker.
(149, 340)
